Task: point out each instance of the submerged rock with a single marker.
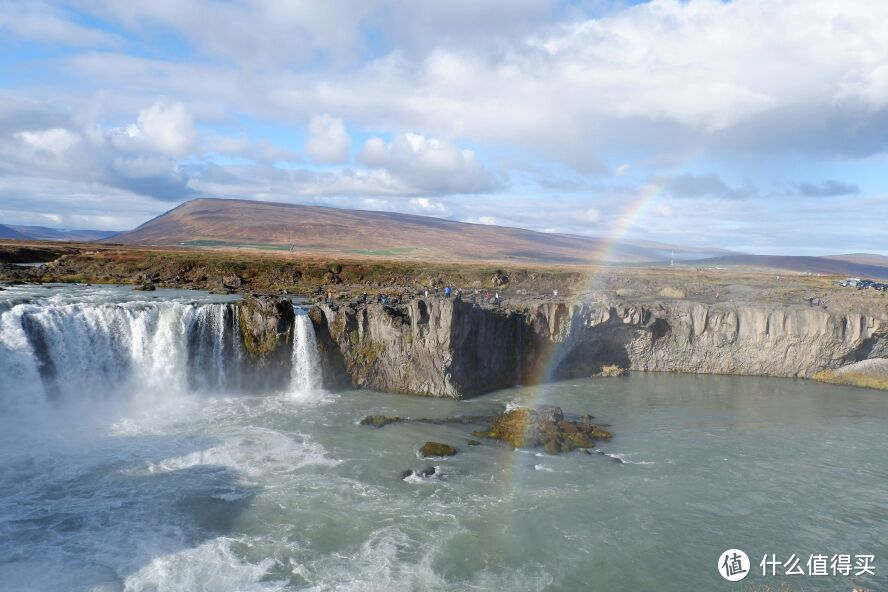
(544, 427)
(378, 421)
(146, 287)
(436, 449)
(428, 472)
(473, 442)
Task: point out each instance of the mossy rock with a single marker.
(378, 421)
(544, 427)
(436, 449)
(265, 325)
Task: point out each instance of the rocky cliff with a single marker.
(432, 347)
(265, 327)
(450, 348)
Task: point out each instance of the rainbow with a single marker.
(540, 388)
(638, 207)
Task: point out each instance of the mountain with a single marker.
(862, 258)
(55, 234)
(9, 232)
(822, 265)
(255, 224)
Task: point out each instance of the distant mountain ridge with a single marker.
(255, 224)
(829, 265)
(10, 232)
(56, 234)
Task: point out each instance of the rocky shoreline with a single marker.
(415, 342)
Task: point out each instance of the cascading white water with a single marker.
(305, 374)
(71, 350)
(90, 350)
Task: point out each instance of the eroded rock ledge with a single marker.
(449, 348)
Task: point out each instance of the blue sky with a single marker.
(755, 125)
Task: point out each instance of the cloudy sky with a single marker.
(757, 125)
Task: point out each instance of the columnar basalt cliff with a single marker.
(440, 348)
(450, 348)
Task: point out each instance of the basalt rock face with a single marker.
(691, 337)
(449, 348)
(266, 329)
(431, 347)
(700, 338)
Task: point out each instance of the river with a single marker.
(133, 458)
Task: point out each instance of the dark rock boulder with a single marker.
(378, 421)
(436, 449)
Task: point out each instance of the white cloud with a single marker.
(486, 220)
(428, 165)
(328, 140)
(428, 206)
(165, 127)
(56, 140)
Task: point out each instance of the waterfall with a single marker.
(95, 350)
(305, 373)
(88, 350)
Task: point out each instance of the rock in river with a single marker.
(378, 421)
(436, 449)
(544, 427)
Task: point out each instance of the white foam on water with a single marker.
(625, 458)
(210, 567)
(254, 453)
(390, 560)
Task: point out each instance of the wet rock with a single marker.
(549, 413)
(436, 449)
(427, 473)
(473, 442)
(378, 421)
(146, 287)
(544, 427)
(266, 326)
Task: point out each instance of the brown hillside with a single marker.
(264, 225)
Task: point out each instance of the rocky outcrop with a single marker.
(450, 348)
(266, 330)
(544, 427)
